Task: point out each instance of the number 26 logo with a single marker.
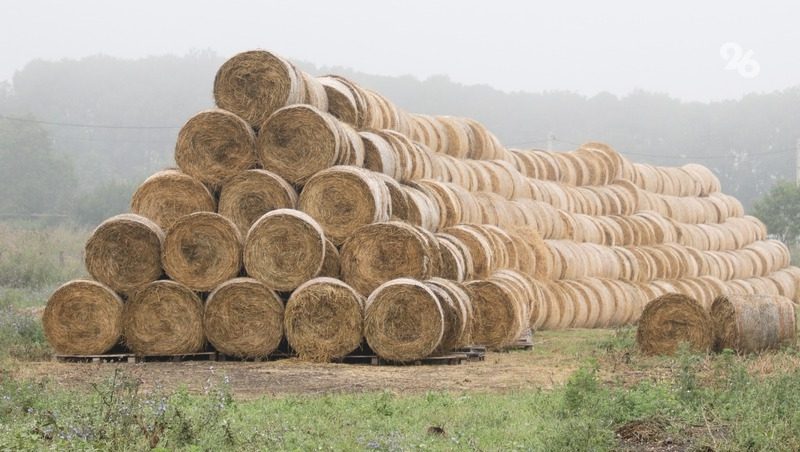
(739, 60)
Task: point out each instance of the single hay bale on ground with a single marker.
(380, 252)
(244, 318)
(202, 250)
(164, 318)
(343, 198)
(324, 319)
(170, 194)
(752, 323)
(254, 84)
(498, 314)
(331, 266)
(124, 252)
(83, 318)
(403, 320)
(671, 319)
(214, 145)
(299, 141)
(250, 194)
(284, 249)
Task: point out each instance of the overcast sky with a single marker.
(589, 47)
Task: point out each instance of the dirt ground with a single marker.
(554, 357)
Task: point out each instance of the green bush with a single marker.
(35, 257)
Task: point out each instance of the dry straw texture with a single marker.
(345, 198)
(284, 249)
(244, 318)
(324, 319)
(671, 319)
(380, 252)
(124, 252)
(403, 321)
(331, 266)
(461, 295)
(455, 314)
(254, 84)
(752, 323)
(170, 194)
(298, 141)
(214, 145)
(250, 194)
(83, 318)
(164, 318)
(202, 250)
(498, 317)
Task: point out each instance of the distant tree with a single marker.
(104, 201)
(33, 178)
(779, 209)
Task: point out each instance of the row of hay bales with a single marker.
(295, 178)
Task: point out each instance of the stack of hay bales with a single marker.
(317, 210)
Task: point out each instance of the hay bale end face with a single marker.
(752, 323)
(250, 194)
(284, 249)
(403, 321)
(83, 318)
(215, 145)
(202, 250)
(164, 318)
(671, 319)
(124, 252)
(499, 319)
(380, 252)
(324, 319)
(170, 194)
(244, 318)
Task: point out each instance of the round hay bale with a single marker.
(250, 194)
(214, 145)
(83, 318)
(244, 318)
(461, 296)
(324, 319)
(315, 92)
(452, 265)
(202, 250)
(299, 141)
(752, 323)
(498, 318)
(331, 266)
(454, 314)
(342, 102)
(343, 198)
(164, 318)
(380, 252)
(124, 252)
(479, 246)
(670, 319)
(170, 194)
(379, 155)
(403, 320)
(254, 84)
(284, 249)
(421, 210)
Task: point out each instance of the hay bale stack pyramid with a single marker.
(315, 209)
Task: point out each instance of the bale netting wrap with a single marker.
(343, 198)
(331, 266)
(284, 249)
(671, 319)
(164, 318)
(403, 320)
(752, 323)
(299, 141)
(170, 194)
(380, 252)
(254, 84)
(83, 318)
(315, 92)
(202, 250)
(250, 194)
(324, 319)
(124, 252)
(244, 318)
(498, 314)
(214, 145)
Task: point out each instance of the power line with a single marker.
(88, 126)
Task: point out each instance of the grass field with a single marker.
(577, 390)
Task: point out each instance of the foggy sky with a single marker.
(589, 47)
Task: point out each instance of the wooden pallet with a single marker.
(374, 360)
(132, 358)
(474, 352)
